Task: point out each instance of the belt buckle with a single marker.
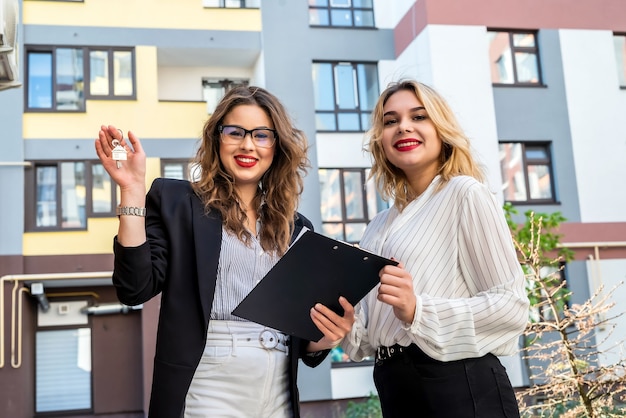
(268, 338)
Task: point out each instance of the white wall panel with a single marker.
(597, 113)
(387, 13)
(454, 60)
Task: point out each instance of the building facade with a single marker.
(541, 93)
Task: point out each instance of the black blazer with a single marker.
(179, 260)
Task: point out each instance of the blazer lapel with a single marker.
(207, 232)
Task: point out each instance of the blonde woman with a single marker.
(436, 322)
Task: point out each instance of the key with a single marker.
(118, 153)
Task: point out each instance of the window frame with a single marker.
(525, 164)
(621, 66)
(524, 49)
(86, 68)
(226, 84)
(30, 181)
(337, 110)
(185, 163)
(367, 217)
(329, 8)
(242, 4)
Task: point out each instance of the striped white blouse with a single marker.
(240, 268)
(471, 297)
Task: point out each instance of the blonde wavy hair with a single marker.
(280, 188)
(456, 158)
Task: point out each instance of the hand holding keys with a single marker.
(119, 153)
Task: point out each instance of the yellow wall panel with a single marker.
(167, 14)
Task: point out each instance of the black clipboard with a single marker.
(314, 269)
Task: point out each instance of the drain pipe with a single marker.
(38, 277)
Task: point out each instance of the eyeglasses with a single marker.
(261, 137)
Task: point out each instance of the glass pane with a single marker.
(353, 195)
(363, 19)
(325, 122)
(500, 58)
(253, 4)
(322, 3)
(536, 153)
(539, 182)
(368, 85)
(46, 196)
(354, 232)
(527, 70)
(235, 4)
(366, 121)
(40, 80)
(323, 86)
(340, 3)
(212, 93)
(620, 57)
(330, 194)
(366, 4)
(63, 370)
(73, 195)
(512, 169)
(70, 79)
(122, 73)
(348, 122)
(524, 39)
(340, 17)
(319, 17)
(101, 190)
(99, 73)
(333, 230)
(174, 171)
(346, 87)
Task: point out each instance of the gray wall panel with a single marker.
(106, 36)
(540, 114)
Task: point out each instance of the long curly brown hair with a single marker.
(280, 188)
(456, 156)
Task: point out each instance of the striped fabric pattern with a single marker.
(240, 269)
(471, 297)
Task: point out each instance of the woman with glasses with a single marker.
(203, 246)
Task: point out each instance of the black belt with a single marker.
(385, 353)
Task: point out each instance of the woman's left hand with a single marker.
(333, 326)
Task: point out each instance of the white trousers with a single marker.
(238, 376)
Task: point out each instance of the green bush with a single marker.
(369, 408)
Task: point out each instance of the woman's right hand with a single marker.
(131, 175)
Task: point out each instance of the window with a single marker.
(526, 172)
(65, 193)
(63, 359)
(341, 13)
(233, 4)
(620, 56)
(178, 169)
(213, 90)
(62, 78)
(514, 58)
(345, 95)
(349, 202)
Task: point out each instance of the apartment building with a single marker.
(542, 94)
